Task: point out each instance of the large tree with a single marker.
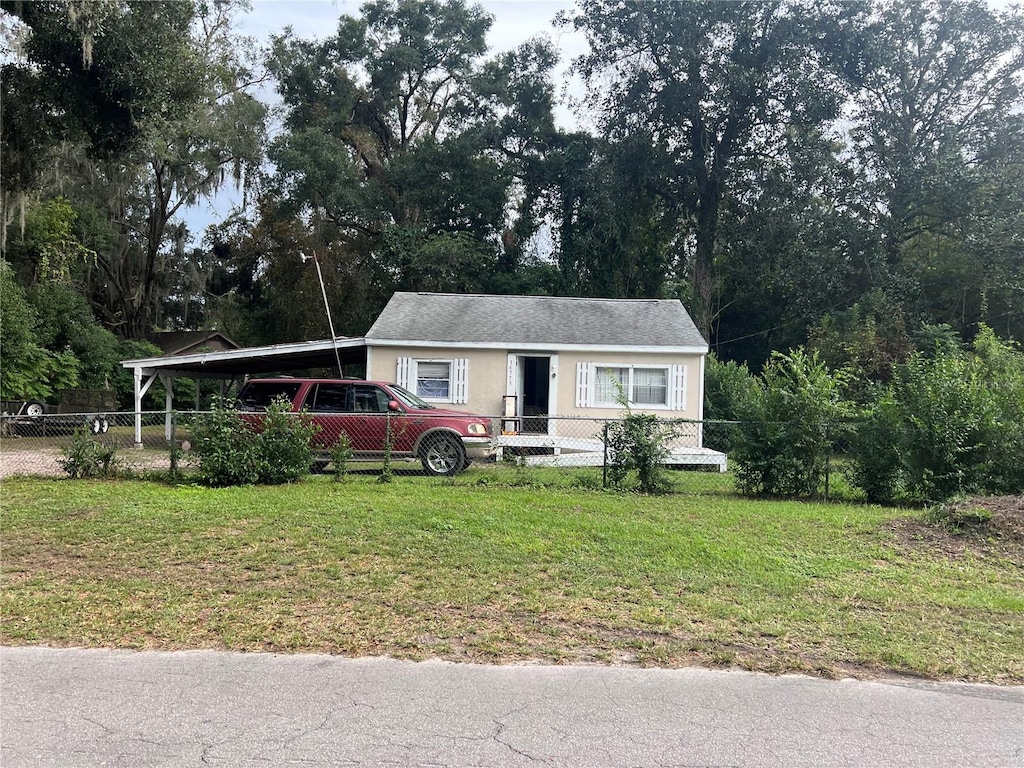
(407, 160)
(936, 139)
(616, 234)
(90, 74)
(149, 113)
(711, 83)
(792, 250)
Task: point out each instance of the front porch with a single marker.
(547, 450)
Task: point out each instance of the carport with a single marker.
(233, 364)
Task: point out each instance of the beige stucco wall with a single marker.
(567, 381)
(488, 372)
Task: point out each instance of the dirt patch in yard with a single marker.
(45, 462)
(982, 525)
(39, 463)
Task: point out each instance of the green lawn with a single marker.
(479, 570)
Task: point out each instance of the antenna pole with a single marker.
(327, 309)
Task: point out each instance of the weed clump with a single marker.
(87, 457)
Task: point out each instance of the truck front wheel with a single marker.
(443, 455)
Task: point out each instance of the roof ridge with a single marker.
(529, 296)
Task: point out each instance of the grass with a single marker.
(494, 568)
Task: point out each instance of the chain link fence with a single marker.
(34, 445)
(549, 451)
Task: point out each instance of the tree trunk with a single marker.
(702, 310)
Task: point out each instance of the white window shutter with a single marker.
(583, 384)
(677, 379)
(406, 375)
(460, 380)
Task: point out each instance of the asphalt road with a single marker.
(203, 708)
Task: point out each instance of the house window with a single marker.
(442, 381)
(640, 386)
(433, 380)
(610, 382)
(649, 386)
(646, 386)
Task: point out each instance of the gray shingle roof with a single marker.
(522, 320)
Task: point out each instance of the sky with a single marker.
(515, 21)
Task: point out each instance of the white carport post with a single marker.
(168, 382)
(140, 392)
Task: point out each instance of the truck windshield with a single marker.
(408, 398)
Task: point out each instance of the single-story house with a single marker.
(526, 356)
(516, 358)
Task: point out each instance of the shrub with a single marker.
(875, 451)
(341, 454)
(638, 443)
(225, 447)
(232, 452)
(789, 426)
(1002, 369)
(947, 415)
(87, 457)
(951, 423)
(727, 388)
(284, 444)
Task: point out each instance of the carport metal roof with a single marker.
(233, 363)
(239, 362)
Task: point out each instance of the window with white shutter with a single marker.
(434, 380)
(644, 386)
(441, 381)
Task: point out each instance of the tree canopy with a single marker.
(845, 175)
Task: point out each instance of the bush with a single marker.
(638, 443)
(948, 415)
(341, 454)
(230, 451)
(1003, 374)
(875, 452)
(225, 448)
(790, 424)
(728, 387)
(87, 457)
(284, 444)
(951, 423)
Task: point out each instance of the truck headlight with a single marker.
(477, 429)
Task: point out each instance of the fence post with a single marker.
(604, 460)
(175, 449)
(828, 458)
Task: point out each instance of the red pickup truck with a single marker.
(445, 441)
